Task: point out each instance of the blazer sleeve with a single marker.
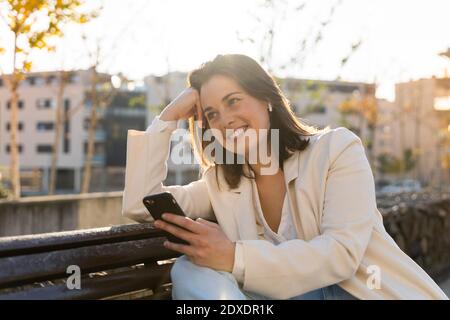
(295, 267)
(146, 169)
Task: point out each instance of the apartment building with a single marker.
(318, 102)
(383, 143)
(36, 128)
(420, 123)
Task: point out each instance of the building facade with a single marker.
(38, 94)
(420, 123)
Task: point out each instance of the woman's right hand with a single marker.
(184, 106)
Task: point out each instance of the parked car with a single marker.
(407, 185)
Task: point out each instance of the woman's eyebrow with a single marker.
(207, 109)
(223, 99)
(226, 97)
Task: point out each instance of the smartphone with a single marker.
(159, 203)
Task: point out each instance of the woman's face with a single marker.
(235, 114)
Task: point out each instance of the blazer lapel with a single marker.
(291, 170)
(302, 214)
(243, 210)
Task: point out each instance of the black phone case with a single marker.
(157, 204)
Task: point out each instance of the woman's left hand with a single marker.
(209, 246)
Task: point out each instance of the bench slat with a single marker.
(147, 277)
(29, 244)
(30, 268)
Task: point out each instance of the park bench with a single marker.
(119, 262)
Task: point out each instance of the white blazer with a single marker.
(341, 237)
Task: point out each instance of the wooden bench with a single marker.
(119, 262)
(130, 262)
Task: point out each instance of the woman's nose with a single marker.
(228, 120)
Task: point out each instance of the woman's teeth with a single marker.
(237, 133)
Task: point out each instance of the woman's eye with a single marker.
(233, 101)
(211, 115)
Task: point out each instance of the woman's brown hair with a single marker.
(261, 85)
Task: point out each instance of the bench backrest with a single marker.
(113, 261)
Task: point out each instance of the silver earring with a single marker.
(270, 107)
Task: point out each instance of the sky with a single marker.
(400, 39)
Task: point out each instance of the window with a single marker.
(45, 126)
(99, 147)
(19, 148)
(66, 104)
(66, 129)
(20, 105)
(40, 81)
(45, 103)
(44, 148)
(65, 179)
(31, 81)
(35, 80)
(52, 79)
(73, 78)
(87, 124)
(66, 143)
(1, 82)
(19, 126)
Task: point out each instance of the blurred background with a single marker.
(76, 75)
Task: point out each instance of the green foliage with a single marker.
(390, 164)
(137, 101)
(408, 160)
(3, 192)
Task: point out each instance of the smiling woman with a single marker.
(237, 95)
(308, 230)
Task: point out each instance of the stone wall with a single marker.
(44, 214)
(420, 225)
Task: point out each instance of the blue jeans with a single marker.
(192, 282)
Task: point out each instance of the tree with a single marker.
(270, 20)
(33, 23)
(365, 107)
(102, 91)
(63, 76)
(101, 94)
(388, 164)
(63, 116)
